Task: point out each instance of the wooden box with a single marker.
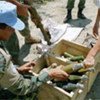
(49, 92)
(74, 49)
(93, 75)
(69, 47)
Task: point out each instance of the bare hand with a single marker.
(95, 30)
(28, 1)
(22, 10)
(58, 73)
(89, 61)
(26, 67)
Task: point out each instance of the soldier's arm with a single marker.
(14, 2)
(37, 20)
(22, 9)
(15, 82)
(95, 49)
(90, 61)
(96, 25)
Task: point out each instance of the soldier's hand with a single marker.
(28, 1)
(89, 61)
(22, 9)
(26, 67)
(95, 30)
(58, 73)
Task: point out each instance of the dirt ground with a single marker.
(56, 10)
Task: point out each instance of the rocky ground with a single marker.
(57, 11)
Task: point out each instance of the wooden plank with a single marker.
(82, 93)
(48, 92)
(92, 76)
(70, 47)
(75, 49)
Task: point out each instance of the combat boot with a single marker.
(80, 15)
(68, 17)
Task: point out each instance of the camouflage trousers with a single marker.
(81, 5)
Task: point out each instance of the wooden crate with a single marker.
(60, 94)
(49, 92)
(93, 75)
(40, 64)
(70, 47)
(74, 49)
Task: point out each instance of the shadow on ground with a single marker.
(79, 22)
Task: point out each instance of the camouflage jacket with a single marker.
(15, 82)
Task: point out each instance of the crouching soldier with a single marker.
(10, 77)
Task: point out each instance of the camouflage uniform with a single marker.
(12, 44)
(26, 31)
(70, 4)
(15, 82)
(13, 41)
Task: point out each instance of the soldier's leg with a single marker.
(81, 6)
(26, 32)
(70, 6)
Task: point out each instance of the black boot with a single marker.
(68, 17)
(80, 15)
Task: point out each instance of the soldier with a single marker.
(89, 61)
(23, 15)
(70, 6)
(9, 74)
(96, 25)
(37, 20)
(23, 7)
(13, 40)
